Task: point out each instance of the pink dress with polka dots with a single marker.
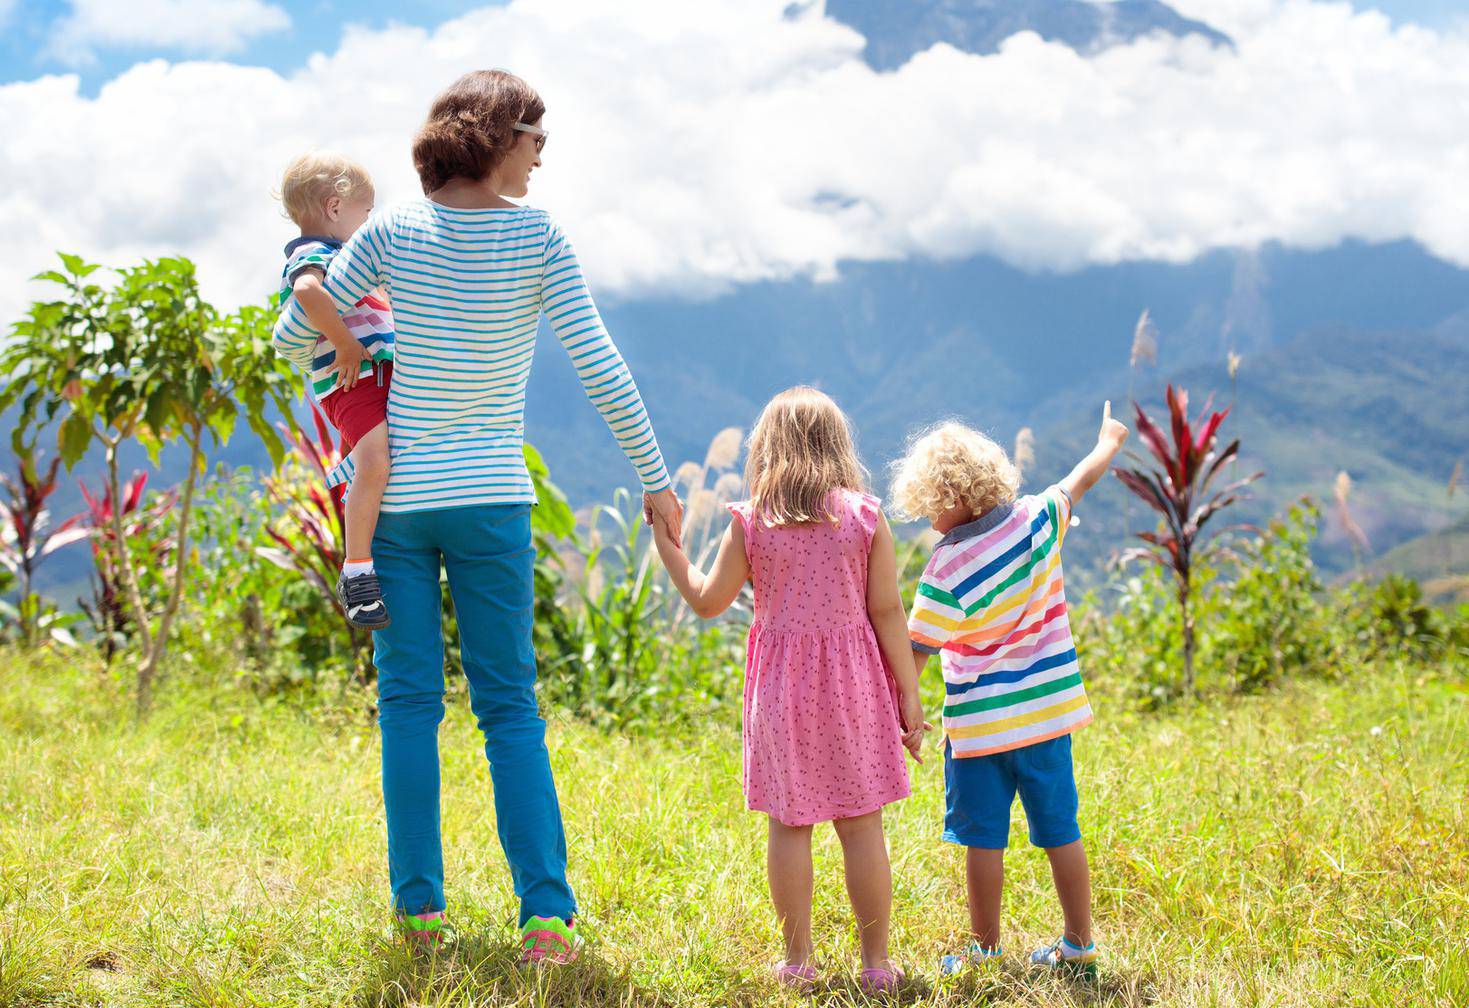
(821, 732)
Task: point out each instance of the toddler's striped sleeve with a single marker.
(936, 615)
(1058, 502)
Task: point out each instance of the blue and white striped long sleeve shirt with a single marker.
(468, 288)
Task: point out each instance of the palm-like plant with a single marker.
(1180, 487)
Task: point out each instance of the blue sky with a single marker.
(316, 25)
(27, 33)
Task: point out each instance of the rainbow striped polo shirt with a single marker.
(991, 601)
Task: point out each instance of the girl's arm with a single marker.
(890, 624)
(707, 594)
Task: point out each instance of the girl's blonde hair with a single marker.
(799, 452)
(316, 176)
(951, 465)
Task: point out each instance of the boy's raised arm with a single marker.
(1089, 470)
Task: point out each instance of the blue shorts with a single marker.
(979, 791)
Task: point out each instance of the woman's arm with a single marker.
(604, 375)
(707, 594)
(890, 624)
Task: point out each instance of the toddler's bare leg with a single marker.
(984, 870)
(369, 479)
(1074, 889)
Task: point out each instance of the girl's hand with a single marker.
(910, 710)
(665, 507)
(348, 363)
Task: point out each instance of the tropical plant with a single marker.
(27, 538)
(112, 620)
(1179, 488)
(309, 538)
(143, 359)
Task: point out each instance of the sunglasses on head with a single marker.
(535, 131)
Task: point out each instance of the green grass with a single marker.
(1307, 847)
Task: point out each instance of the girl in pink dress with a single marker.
(831, 698)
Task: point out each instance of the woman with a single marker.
(470, 274)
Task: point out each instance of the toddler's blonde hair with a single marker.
(799, 452)
(312, 178)
(950, 465)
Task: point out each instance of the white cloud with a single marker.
(695, 145)
(212, 27)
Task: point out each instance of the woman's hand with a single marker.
(666, 508)
(910, 710)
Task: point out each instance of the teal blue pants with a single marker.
(489, 558)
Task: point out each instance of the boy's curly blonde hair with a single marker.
(314, 177)
(951, 465)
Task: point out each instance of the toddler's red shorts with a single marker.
(357, 410)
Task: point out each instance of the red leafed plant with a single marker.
(1180, 486)
(26, 535)
(109, 611)
(310, 538)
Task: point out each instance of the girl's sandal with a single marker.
(801, 978)
(880, 980)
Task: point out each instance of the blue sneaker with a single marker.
(976, 955)
(362, 601)
(1062, 955)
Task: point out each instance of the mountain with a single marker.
(897, 29)
(1385, 407)
(903, 344)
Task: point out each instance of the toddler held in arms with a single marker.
(823, 736)
(992, 603)
(329, 197)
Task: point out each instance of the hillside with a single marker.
(1439, 562)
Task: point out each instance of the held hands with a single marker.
(1113, 433)
(348, 363)
(910, 710)
(664, 512)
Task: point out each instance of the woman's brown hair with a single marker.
(471, 126)
(800, 451)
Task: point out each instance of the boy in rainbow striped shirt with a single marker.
(992, 603)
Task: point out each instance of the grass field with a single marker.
(1307, 847)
